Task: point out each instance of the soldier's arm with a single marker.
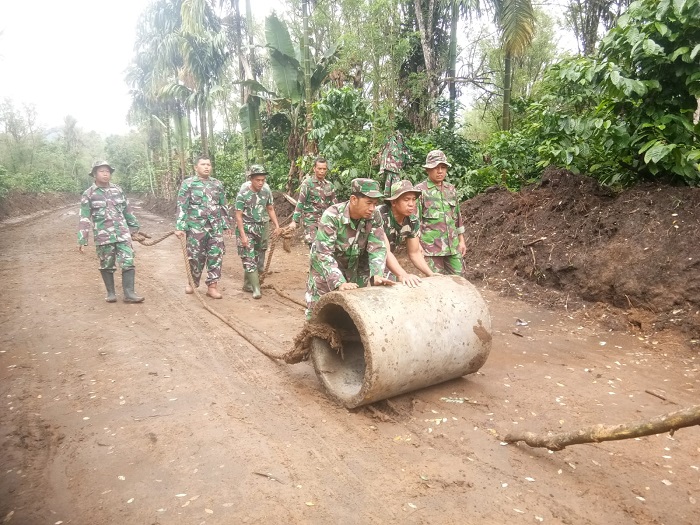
(85, 223)
(377, 243)
(273, 216)
(322, 256)
(225, 215)
(415, 254)
(300, 202)
(182, 204)
(131, 220)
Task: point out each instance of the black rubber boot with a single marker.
(254, 280)
(247, 287)
(108, 278)
(128, 285)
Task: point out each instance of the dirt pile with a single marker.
(22, 203)
(567, 240)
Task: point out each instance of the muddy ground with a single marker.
(159, 413)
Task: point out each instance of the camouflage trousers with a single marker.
(317, 286)
(121, 253)
(445, 264)
(391, 178)
(205, 248)
(257, 234)
(310, 230)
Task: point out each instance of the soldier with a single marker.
(315, 195)
(203, 218)
(401, 224)
(254, 210)
(349, 250)
(105, 206)
(442, 231)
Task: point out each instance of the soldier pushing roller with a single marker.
(104, 206)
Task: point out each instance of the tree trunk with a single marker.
(507, 87)
(426, 30)
(203, 128)
(310, 145)
(238, 45)
(254, 102)
(452, 70)
(671, 422)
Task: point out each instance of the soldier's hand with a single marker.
(81, 248)
(244, 240)
(462, 248)
(277, 231)
(292, 226)
(347, 286)
(381, 281)
(410, 280)
(179, 234)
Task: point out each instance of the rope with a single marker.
(302, 342)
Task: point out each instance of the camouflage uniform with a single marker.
(345, 250)
(256, 225)
(314, 197)
(202, 214)
(398, 233)
(108, 211)
(441, 224)
(392, 158)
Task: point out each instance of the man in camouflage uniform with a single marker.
(315, 195)
(402, 225)
(254, 210)
(105, 207)
(202, 217)
(442, 231)
(349, 250)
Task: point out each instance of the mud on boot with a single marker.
(128, 277)
(254, 280)
(108, 278)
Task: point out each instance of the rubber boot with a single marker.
(247, 287)
(128, 285)
(212, 291)
(254, 280)
(108, 278)
(261, 261)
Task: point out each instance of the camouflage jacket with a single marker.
(441, 221)
(254, 205)
(314, 197)
(397, 233)
(109, 213)
(201, 205)
(347, 250)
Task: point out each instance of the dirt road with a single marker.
(160, 413)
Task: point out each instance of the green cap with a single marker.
(256, 169)
(367, 187)
(98, 164)
(401, 187)
(435, 158)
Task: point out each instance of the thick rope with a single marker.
(302, 342)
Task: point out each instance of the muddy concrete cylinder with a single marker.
(399, 339)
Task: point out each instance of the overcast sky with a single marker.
(68, 57)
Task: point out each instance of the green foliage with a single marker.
(627, 112)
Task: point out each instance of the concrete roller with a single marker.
(398, 339)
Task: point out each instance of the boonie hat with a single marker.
(367, 187)
(257, 169)
(435, 158)
(401, 187)
(99, 163)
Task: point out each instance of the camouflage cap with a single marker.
(257, 169)
(401, 187)
(435, 158)
(99, 163)
(367, 187)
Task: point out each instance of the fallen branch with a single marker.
(670, 422)
(290, 200)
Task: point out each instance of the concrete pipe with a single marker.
(398, 339)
